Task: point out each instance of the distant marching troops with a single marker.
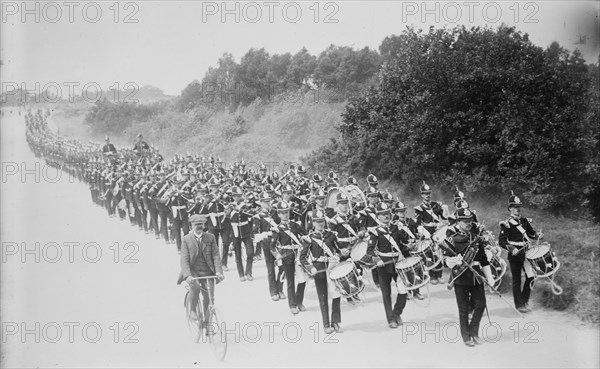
(301, 226)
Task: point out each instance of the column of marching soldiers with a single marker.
(285, 220)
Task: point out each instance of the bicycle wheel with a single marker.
(217, 334)
(194, 318)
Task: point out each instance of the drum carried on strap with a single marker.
(346, 279)
(428, 252)
(412, 272)
(542, 260)
(544, 263)
(358, 254)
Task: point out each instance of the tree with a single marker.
(345, 69)
(301, 68)
(480, 108)
(253, 71)
(190, 97)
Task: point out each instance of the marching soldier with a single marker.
(264, 222)
(285, 244)
(429, 215)
(407, 233)
(150, 202)
(515, 234)
(321, 248)
(218, 224)
(178, 204)
(385, 250)
(241, 224)
(346, 226)
(161, 204)
(463, 247)
(368, 220)
(140, 210)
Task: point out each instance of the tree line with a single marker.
(261, 75)
(478, 108)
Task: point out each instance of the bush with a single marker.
(480, 108)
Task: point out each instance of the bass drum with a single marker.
(355, 196)
(331, 200)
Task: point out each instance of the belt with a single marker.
(346, 239)
(289, 247)
(240, 224)
(179, 207)
(217, 214)
(514, 243)
(434, 224)
(323, 259)
(389, 254)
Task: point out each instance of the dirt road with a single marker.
(102, 293)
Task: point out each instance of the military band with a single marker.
(304, 226)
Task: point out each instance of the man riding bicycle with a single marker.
(200, 258)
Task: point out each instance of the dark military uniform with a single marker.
(511, 238)
(263, 223)
(241, 225)
(178, 204)
(219, 224)
(286, 241)
(429, 216)
(323, 251)
(468, 289)
(385, 245)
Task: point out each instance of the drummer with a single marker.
(385, 249)
(429, 215)
(322, 249)
(407, 229)
(368, 219)
(515, 234)
(285, 245)
(345, 225)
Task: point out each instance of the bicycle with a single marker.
(213, 327)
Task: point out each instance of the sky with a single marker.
(168, 44)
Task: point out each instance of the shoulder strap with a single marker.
(291, 235)
(321, 243)
(520, 228)
(392, 241)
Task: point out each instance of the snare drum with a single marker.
(543, 261)
(359, 254)
(412, 272)
(345, 277)
(424, 250)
